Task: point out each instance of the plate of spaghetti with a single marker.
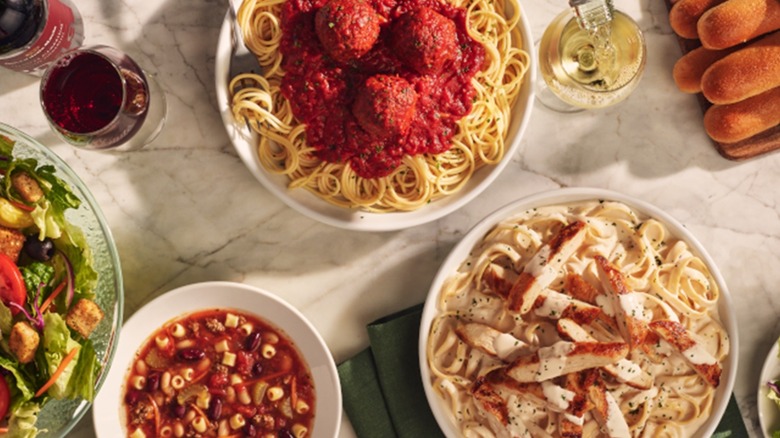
(378, 115)
(578, 312)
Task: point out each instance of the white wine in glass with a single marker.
(590, 59)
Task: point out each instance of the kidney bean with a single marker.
(250, 430)
(285, 433)
(178, 410)
(215, 409)
(252, 342)
(257, 369)
(153, 382)
(132, 397)
(191, 354)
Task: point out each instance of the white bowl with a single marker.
(108, 406)
(310, 205)
(563, 196)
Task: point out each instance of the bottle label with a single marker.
(63, 31)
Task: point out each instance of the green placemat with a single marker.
(383, 393)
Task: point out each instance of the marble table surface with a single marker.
(185, 209)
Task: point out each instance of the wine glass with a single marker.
(590, 56)
(99, 98)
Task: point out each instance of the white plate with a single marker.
(308, 204)
(768, 411)
(224, 295)
(563, 196)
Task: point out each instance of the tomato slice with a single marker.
(5, 397)
(12, 289)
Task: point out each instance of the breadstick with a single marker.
(741, 120)
(685, 14)
(689, 69)
(747, 72)
(736, 21)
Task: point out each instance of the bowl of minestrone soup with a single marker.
(220, 359)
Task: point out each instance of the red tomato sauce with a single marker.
(219, 373)
(322, 90)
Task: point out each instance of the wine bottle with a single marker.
(33, 33)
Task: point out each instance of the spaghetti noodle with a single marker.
(670, 286)
(419, 179)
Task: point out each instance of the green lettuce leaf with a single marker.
(6, 151)
(47, 223)
(772, 395)
(6, 320)
(24, 389)
(22, 421)
(56, 191)
(82, 382)
(56, 345)
(74, 245)
(78, 378)
(35, 274)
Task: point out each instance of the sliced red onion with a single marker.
(774, 387)
(38, 322)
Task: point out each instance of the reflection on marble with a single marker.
(185, 209)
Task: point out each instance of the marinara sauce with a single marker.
(219, 373)
(420, 49)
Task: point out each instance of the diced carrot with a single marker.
(65, 361)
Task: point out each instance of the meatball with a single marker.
(425, 40)
(347, 29)
(385, 106)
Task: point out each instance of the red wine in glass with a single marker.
(96, 97)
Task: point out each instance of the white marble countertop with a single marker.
(185, 209)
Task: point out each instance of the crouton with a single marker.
(11, 242)
(27, 187)
(83, 317)
(23, 342)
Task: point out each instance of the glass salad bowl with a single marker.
(57, 417)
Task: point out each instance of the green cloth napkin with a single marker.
(383, 394)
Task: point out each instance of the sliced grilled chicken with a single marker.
(548, 394)
(569, 329)
(565, 357)
(607, 412)
(570, 426)
(544, 266)
(576, 287)
(498, 280)
(490, 400)
(623, 370)
(694, 353)
(570, 399)
(570, 423)
(489, 340)
(555, 305)
(629, 311)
